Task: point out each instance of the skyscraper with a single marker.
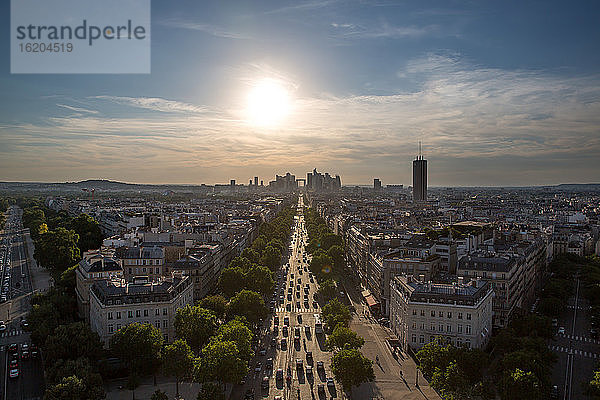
(256, 181)
(377, 184)
(420, 178)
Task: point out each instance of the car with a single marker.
(320, 365)
(321, 389)
(297, 295)
(299, 318)
(307, 330)
(14, 373)
(288, 306)
(309, 357)
(286, 320)
(24, 323)
(299, 363)
(283, 343)
(285, 330)
(258, 367)
(297, 304)
(25, 346)
(309, 370)
(279, 374)
(262, 352)
(315, 304)
(265, 383)
(297, 332)
(330, 382)
(25, 354)
(269, 363)
(561, 330)
(249, 394)
(554, 392)
(14, 363)
(13, 348)
(2, 327)
(275, 330)
(34, 350)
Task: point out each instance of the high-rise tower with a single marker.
(420, 178)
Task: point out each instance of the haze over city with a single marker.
(500, 95)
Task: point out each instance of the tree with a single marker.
(220, 361)
(321, 264)
(82, 370)
(270, 258)
(594, 385)
(178, 361)
(240, 262)
(251, 255)
(522, 385)
(57, 249)
(90, 235)
(434, 355)
(327, 290)
(139, 347)
(335, 313)
(247, 304)
(216, 303)
(259, 279)
(351, 368)
(337, 256)
(211, 391)
(70, 388)
(159, 395)
(236, 331)
(71, 342)
(344, 338)
(48, 311)
(331, 239)
(233, 279)
(195, 325)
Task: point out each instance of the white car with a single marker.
(561, 330)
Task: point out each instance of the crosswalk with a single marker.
(580, 338)
(16, 332)
(572, 307)
(298, 310)
(576, 352)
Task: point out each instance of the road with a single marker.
(17, 287)
(578, 353)
(290, 306)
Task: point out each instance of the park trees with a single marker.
(351, 368)
(247, 304)
(220, 361)
(216, 303)
(178, 361)
(344, 338)
(195, 325)
(335, 313)
(90, 235)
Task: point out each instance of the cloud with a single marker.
(77, 109)
(210, 29)
(155, 104)
(385, 30)
(475, 122)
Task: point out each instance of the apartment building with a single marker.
(203, 265)
(93, 267)
(141, 261)
(116, 303)
(458, 313)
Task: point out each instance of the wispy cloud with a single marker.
(77, 109)
(155, 104)
(385, 30)
(210, 29)
(303, 6)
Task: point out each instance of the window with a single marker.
(468, 329)
(118, 326)
(432, 313)
(157, 271)
(164, 311)
(414, 338)
(110, 315)
(157, 324)
(118, 314)
(165, 323)
(422, 327)
(145, 313)
(441, 328)
(166, 337)
(110, 329)
(468, 316)
(432, 327)
(130, 271)
(448, 328)
(458, 342)
(449, 314)
(441, 314)
(459, 328)
(421, 339)
(459, 315)
(422, 313)
(129, 314)
(414, 325)
(468, 343)
(157, 312)
(144, 270)
(414, 312)
(137, 313)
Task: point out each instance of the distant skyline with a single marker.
(500, 94)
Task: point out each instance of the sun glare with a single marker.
(268, 103)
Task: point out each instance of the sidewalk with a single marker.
(39, 276)
(115, 389)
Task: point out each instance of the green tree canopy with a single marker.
(236, 331)
(195, 325)
(247, 304)
(220, 361)
(232, 280)
(251, 255)
(57, 249)
(71, 342)
(351, 368)
(178, 361)
(211, 391)
(138, 346)
(522, 385)
(337, 256)
(344, 338)
(90, 235)
(70, 388)
(335, 313)
(270, 258)
(216, 303)
(259, 279)
(327, 290)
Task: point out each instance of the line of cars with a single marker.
(27, 351)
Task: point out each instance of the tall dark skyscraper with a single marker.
(420, 178)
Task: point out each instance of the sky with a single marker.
(501, 93)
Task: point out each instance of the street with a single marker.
(21, 371)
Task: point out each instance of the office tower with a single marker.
(232, 182)
(256, 181)
(420, 178)
(376, 184)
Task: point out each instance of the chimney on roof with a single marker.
(421, 278)
(460, 280)
(409, 279)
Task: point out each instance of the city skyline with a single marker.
(499, 96)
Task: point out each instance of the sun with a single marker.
(268, 103)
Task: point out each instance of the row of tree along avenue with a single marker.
(349, 366)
